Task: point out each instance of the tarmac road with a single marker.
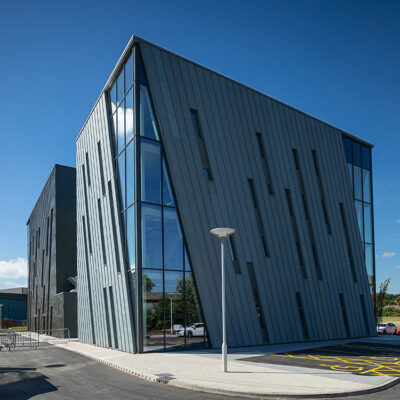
(54, 373)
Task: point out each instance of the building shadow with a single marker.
(23, 383)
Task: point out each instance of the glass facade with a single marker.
(167, 308)
(360, 167)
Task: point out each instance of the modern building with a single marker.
(52, 295)
(171, 150)
(14, 304)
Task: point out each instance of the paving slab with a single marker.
(201, 370)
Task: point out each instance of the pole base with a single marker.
(224, 357)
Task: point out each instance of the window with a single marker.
(346, 232)
(232, 252)
(100, 157)
(121, 174)
(114, 322)
(366, 185)
(103, 247)
(130, 236)
(260, 316)
(302, 316)
(107, 315)
(120, 129)
(367, 223)
(148, 126)
(114, 215)
(201, 145)
(344, 314)
(89, 181)
(366, 157)
(296, 233)
(87, 209)
(348, 148)
(265, 163)
(150, 165)
(129, 73)
(130, 174)
(367, 330)
(356, 154)
(357, 183)
(129, 114)
(120, 87)
(168, 198)
(196, 124)
(151, 236)
(321, 192)
(173, 243)
(258, 217)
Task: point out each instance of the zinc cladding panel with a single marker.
(230, 115)
(96, 130)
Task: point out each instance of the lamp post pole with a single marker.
(171, 314)
(223, 234)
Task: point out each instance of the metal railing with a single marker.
(10, 339)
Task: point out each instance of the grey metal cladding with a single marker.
(96, 130)
(230, 114)
(52, 255)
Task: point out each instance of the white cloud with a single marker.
(389, 254)
(397, 267)
(398, 221)
(10, 284)
(13, 269)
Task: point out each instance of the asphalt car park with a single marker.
(358, 358)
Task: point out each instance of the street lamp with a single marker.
(222, 234)
(171, 313)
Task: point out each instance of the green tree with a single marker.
(380, 298)
(147, 283)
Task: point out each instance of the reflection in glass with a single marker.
(121, 172)
(130, 174)
(187, 263)
(150, 164)
(148, 125)
(128, 73)
(129, 116)
(173, 244)
(120, 126)
(168, 198)
(348, 149)
(368, 223)
(113, 95)
(153, 321)
(120, 87)
(357, 183)
(151, 236)
(366, 185)
(174, 308)
(115, 130)
(366, 157)
(368, 261)
(130, 236)
(357, 154)
(195, 327)
(350, 167)
(359, 212)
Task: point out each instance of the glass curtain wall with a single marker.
(168, 302)
(360, 170)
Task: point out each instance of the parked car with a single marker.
(388, 328)
(192, 330)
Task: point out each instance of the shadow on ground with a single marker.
(23, 383)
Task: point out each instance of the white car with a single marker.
(192, 330)
(388, 328)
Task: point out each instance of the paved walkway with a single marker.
(201, 370)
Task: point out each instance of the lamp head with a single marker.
(222, 233)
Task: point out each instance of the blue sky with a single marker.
(339, 62)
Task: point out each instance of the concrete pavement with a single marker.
(201, 370)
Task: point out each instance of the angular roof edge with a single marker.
(136, 39)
